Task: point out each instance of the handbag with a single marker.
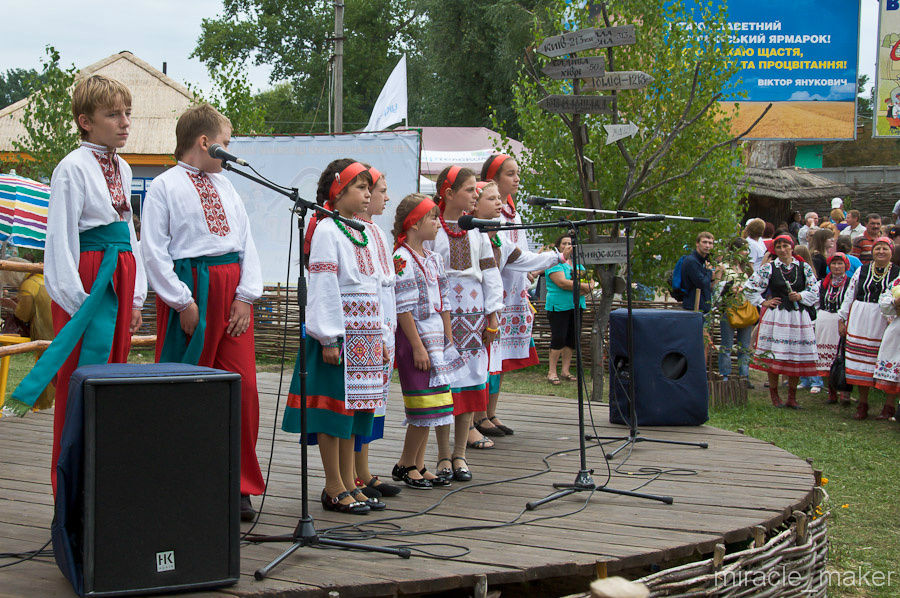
(837, 375)
(743, 315)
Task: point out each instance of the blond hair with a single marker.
(198, 120)
(95, 93)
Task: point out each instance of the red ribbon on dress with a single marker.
(343, 179)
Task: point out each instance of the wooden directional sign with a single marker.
(617, 80)
(587, 39)
(577, 104)
(575, 68)
(610, 252)
(616, 132)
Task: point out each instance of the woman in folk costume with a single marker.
(831, 297)
(517, 319)
(786, 343)
(92, 266)
(427, 360)
(509, 258)
(887, 366)
(345, 347)
(475, 299)
(862, 321)
(202, 262)
(380, 249)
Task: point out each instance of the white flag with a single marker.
(390, 108)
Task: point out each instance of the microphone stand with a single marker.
(305, 533)
(633, 436)
(583, 480)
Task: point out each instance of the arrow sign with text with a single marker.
(587, 39)
(575, 68)
(617, 80)
(577, 104)
(617, 132)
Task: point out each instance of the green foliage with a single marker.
(284, 112)
(14, 85)
(233, 97)
(47, 118)
(669, 53)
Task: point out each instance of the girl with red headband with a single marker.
(345, 341)
(786, 343)
(475, 299)
(831, 297)
(380, 249)
(863, 323)
(427, 360)
(510, 259)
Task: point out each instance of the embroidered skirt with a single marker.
(865, 329)
(380, 412)
(516, 322)
(887, 367)
(786, 343)
(467, 322)
(827, 337)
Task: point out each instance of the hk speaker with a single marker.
(148, 482)
(670, 383)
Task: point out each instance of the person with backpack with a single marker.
(696, 274)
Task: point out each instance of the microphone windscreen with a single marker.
(465, 222)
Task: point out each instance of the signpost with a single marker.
(577, 104)
(617, 80)
(616, 132)
(587, 39)
(575, 68)
(608, 252)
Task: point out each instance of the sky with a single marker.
(155, 31)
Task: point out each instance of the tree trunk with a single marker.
(601, 321)
(769, 154)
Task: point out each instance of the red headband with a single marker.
(786, 238)
(886, 240)
(448, 182)
(496, 163)
(375, 174)
(840, 256)
(417, 213)
(343, 179)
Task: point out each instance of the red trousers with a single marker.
(234, 354)
(123, 282)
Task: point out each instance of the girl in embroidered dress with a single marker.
(510, 258)
(831, 296)
(786, 343)
(475, 299)
(88, 217)
(344, 347)
(887, 367)
(862, 320)
(384, 269)
(426, 357)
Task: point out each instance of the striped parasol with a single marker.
(23, 211)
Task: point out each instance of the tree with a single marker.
(685, 162)
(14, 85)
(864, 98)
(233, 97)
(47, 118)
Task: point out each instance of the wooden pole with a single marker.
(338, 66)
(21, 266)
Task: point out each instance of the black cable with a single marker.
(28, 555)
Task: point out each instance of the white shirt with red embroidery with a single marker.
(90, 187)
(188, 213)
(382, 255)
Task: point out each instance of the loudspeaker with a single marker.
(669, 368)
(160, 473)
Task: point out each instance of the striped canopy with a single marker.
(23, 211)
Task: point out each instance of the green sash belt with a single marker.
(98, 311)
(176, 348)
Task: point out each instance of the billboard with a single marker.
(886, 109)
(800, 55)
(297, 161)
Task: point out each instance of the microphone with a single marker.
(218, 152)
(468, 222)
(535, 200)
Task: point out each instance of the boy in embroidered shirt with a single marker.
(89, 216)
(203, 265)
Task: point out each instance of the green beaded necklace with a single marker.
(496, 241)
(354, 240)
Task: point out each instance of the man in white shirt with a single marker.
(753, 232)
(811, 223)
(854, 228)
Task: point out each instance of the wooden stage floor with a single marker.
(738, 483)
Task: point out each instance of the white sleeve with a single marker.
(809, 295)
(886, 303)
(62, 247)
(250, 287)
(849, 296)
(155, 240)
(757, 284)
(406, 291)
(326, 323)
(491, 283)
(140, 274)
(529, 261)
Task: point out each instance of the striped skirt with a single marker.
(786, 343)
(887, 367)
(425, 405)
(865, 329)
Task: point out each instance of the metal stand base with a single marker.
(636, 437)
(584, 483)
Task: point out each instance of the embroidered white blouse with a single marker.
(477, 265)
(188, 213)
(380, 249)
(90, 187)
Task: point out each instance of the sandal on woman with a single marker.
(444, 472)
(335, 504)
(506, 430)
(554, 380)
(482, 443)
(373, 503)
(568, 377)
(436, 480)
(461, 474)
(492, 431)
(401, 472)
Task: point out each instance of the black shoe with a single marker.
(383, 489)
(461, 474)
(248, 513)
(370, 492)
(438, 481)
(444, 472)
(485, 431)
(335, 504)
(418, 484)
(373, 503)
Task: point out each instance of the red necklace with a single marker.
(424, 273)
(454, 234)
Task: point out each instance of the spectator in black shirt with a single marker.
(697, 274)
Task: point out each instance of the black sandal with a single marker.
(492, 431)
(437, 480)
(335, 504)
(461, 474)
(444, 472)
(373, 503)
(506, 430)
(402, 473)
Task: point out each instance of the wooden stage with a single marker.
(739, 483)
